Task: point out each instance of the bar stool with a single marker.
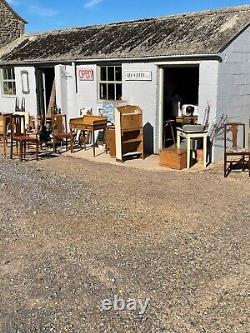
(169, 123)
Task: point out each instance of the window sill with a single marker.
(8, 96)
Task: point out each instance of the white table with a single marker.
(192, 135)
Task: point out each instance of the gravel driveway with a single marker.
(73, 233)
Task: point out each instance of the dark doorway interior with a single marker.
(44, 82)
(181, 86)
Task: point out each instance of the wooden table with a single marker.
(88, 123)
(192, 135)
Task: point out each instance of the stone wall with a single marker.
(11, 26)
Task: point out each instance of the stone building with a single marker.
(11, 24)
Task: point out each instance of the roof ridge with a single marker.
(142, 20)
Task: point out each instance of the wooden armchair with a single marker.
(238, 147)
(60, 130)
(20, 137)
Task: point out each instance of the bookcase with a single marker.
(129, 132)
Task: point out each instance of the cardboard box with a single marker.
(173, 158)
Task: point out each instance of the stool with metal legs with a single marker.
(169, 123)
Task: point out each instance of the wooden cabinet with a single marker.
(129, 132)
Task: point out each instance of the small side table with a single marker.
(192, 135)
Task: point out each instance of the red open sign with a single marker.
(86, 74)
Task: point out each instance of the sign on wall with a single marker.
(138, 76)
(86, 74)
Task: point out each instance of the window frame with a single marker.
(108, 82)
(11, 79)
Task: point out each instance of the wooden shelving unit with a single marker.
(129, 132)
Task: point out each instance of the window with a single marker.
(110, 87)
(9, 83)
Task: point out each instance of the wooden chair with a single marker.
(238, 147)
(4, 122)
(20, 137)
(60, 130)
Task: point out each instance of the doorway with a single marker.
(45, 90)
(180, 88)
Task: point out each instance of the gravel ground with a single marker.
(73, 233)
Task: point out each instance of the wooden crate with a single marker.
(173, 158)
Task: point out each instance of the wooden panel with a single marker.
(131, 121)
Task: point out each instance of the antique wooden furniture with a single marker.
(237, 147)
(87, 124)
(181, 120)
(173, 158)
(110, 141)
(4, 123)
(129, 132)
(168, 124)
(191, 135)
(59, 130)
(20, 137)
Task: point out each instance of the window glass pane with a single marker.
(12, 74)
(118, 91)
(111, 91)
(118, 73)
(9, 88)
(111, 74)
(103, 74)
(5, 74)
(103, 91)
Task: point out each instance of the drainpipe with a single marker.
(75, 76)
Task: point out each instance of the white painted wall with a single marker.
(234, 84)
(7, 102)
(144, 94)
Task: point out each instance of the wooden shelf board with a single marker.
(136, 152)
(131, 141)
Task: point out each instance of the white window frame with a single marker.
(12, 80)
(107, 82)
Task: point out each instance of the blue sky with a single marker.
(44, 15)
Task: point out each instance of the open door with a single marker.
(45, 90)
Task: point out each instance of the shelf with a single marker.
(132, 140)
(131, 129)
(136, 152)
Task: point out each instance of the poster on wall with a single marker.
(108, 110)
(86, 74)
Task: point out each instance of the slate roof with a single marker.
(187, 34)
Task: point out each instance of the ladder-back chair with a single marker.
(19, 136)
(232, 133)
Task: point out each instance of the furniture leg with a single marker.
(54, 145)
(93, 140)
(11, 149)
(188, 152)
(172, 133)
(4, 146)
(21, 151)
(178, 140)
(71, 142)
(225, 166)
(205, 151)
(37, 144)
(24, 149)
